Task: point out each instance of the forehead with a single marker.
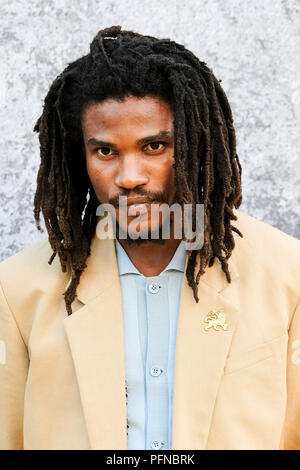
(133, 114)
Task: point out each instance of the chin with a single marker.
(145, 241)
(142, 235)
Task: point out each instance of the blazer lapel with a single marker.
(95, 335)
(200, 356)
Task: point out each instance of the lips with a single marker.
(135, 206)
(137, 209)
(128, 201)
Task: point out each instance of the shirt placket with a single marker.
(157, 363)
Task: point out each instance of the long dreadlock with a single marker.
(207, 168)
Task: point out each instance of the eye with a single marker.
(104, 151)
(155, 145)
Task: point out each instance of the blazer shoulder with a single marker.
(27, 252)
(32, 260)
(26, 277)
(259, 233)
(277, 252)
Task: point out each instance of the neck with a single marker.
(151, 258)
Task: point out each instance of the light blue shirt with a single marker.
(150, 312)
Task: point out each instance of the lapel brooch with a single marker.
(216, 318)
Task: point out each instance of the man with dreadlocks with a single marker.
(141, 343)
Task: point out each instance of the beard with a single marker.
(143, 237)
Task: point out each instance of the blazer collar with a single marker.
(102, 270)
(95, 335)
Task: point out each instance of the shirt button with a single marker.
(156, 445)
(155, 371)
(153, 288)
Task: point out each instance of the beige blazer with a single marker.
(62, 378)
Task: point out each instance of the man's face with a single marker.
(129, 149)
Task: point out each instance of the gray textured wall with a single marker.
(252, 45)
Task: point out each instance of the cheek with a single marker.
(168, 177)
(163, 169)
(101, 179)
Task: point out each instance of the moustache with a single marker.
(149, 198)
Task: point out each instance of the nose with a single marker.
(130, 173)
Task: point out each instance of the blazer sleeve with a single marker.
(14, 364)
(292, 420)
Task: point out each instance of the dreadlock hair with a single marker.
(207, 169)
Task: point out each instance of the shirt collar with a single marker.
(126, 266)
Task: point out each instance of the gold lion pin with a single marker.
(216, 318)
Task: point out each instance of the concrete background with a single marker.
(253, 46)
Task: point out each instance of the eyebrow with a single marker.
(144, 140)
